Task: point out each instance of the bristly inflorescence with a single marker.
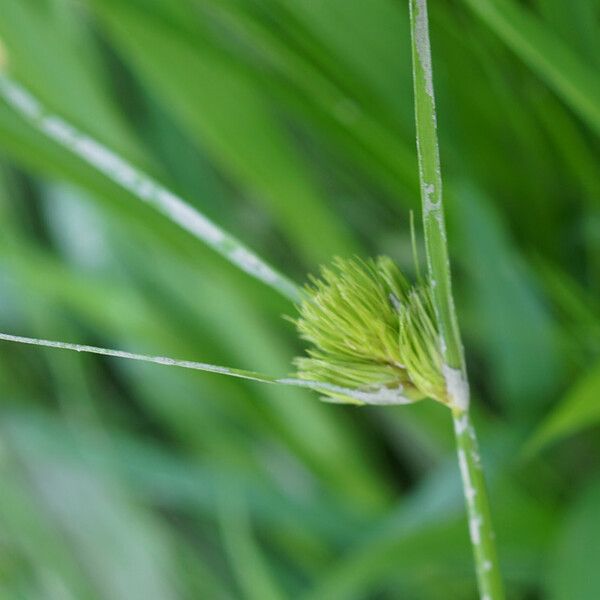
(369, 329)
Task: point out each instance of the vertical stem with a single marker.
(481, 530)
(431, 187)
(480, 524)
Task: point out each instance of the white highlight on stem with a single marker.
(423, 45)
(431, 202)
(381, 396)
(457, 388)
(476, 459)
(377, 397)
(475, 521)
(142, 186)
(475, 530)
(470, 491)
(461, 424)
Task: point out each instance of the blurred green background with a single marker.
(290, 123)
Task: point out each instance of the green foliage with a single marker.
(546, 53)
(572, 570)
(525, 368)
(333, 503)
(578, 409)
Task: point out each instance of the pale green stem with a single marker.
(431, 188)
(480, 519)
(480, 524)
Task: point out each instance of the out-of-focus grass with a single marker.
(290, 123)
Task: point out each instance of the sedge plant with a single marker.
(374, 337)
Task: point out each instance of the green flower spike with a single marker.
(370, 330)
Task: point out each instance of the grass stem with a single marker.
(480, 520)
(480, 523)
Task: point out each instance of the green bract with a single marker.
(369, 328)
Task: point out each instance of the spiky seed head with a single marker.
(368, 328)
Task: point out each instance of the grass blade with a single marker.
(380, 396)
(578, 410)
(143, 187)
(232, 118)
(546, 53)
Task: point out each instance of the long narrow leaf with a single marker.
(380, 396)
(546, 53)
(142, 186)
